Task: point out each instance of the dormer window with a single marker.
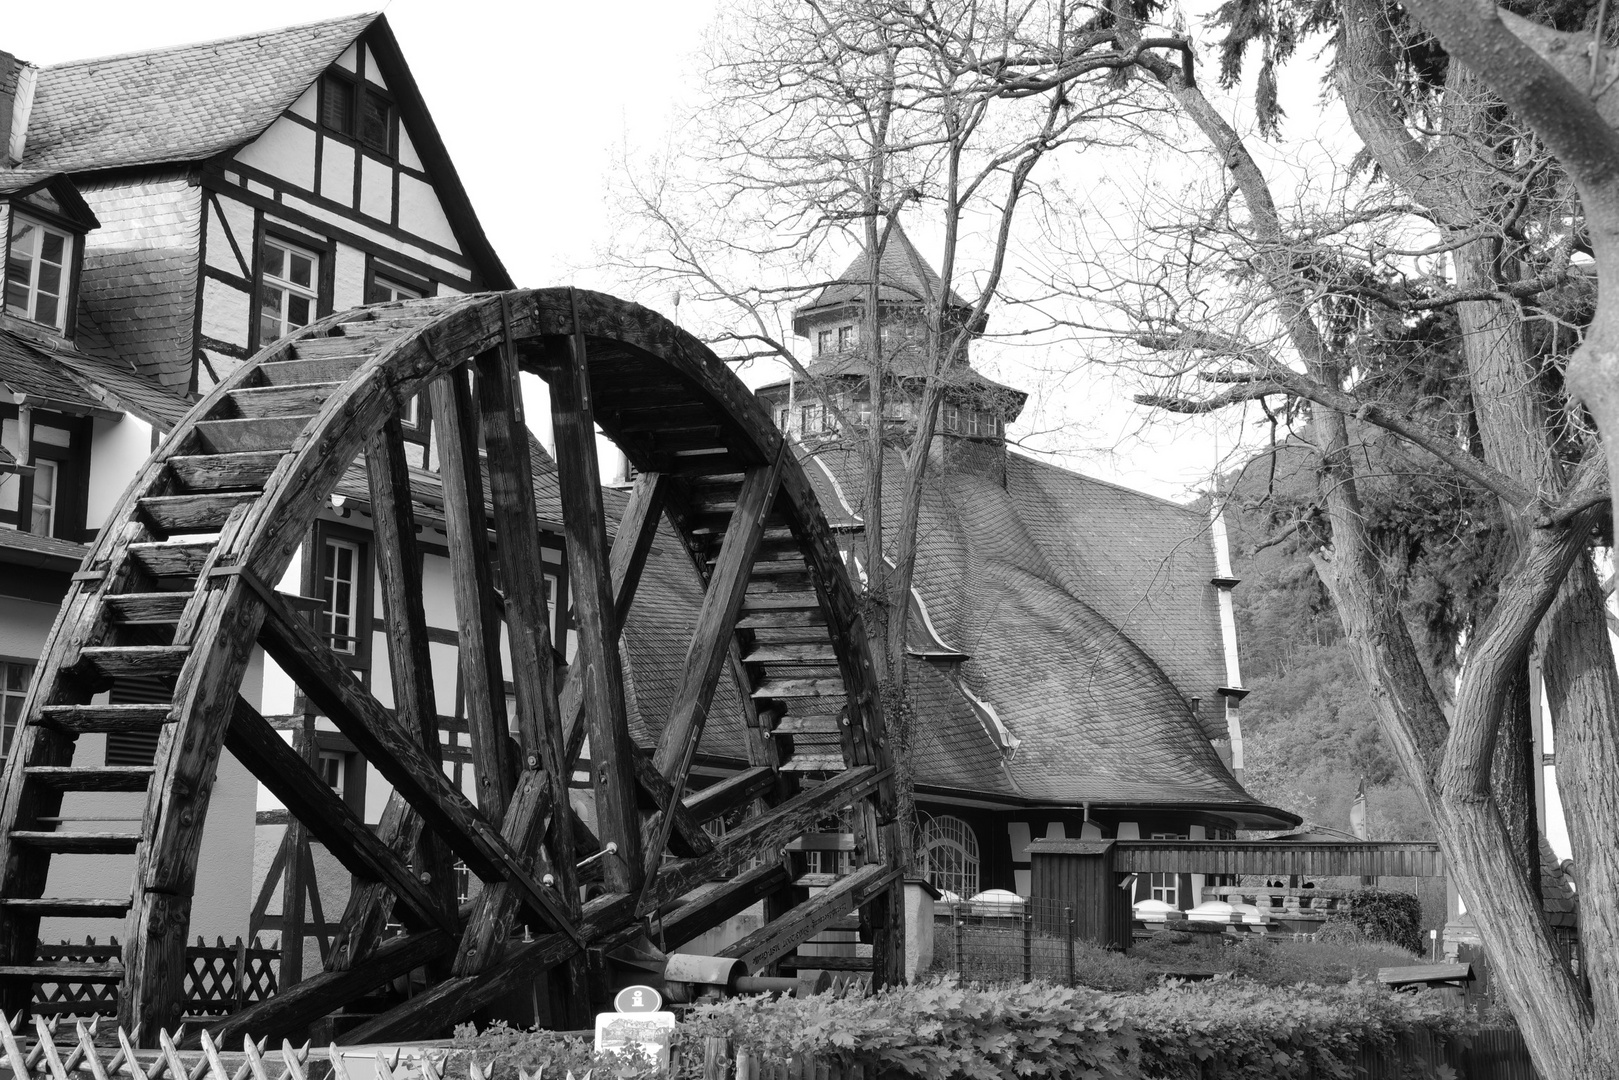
(39, 264)
(357, 111)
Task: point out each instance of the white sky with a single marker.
(532, 99)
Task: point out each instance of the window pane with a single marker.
(45, 309)
(51, 247)
(16, 676)
(375, 122)
(337, 104)
(274, 264)
(376, 293)
(50, 279)
(16, 293)
(302, 269)
(297, 311)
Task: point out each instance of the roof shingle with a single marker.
(185, 103)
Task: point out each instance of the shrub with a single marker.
(1382, 915)
(941, 1030)
(502, 1051)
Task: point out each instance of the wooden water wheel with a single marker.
(176, 587)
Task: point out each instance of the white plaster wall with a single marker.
(420, 213)
(226, 313)
(376, 189)
(286, 150)
(337, 172)
(118, 449)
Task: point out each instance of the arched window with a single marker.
(951, 851)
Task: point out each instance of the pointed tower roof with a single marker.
(903, 277)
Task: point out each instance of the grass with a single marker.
(997, 956)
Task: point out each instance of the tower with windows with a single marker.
(973, 415)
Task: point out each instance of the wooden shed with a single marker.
(1079, 875)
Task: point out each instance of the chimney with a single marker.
(17, 79)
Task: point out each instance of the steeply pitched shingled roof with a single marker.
(184, 103)
(1098, 718)
(898, 280)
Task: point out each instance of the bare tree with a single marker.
(833, 119)
(1320, 313)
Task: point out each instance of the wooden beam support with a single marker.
(449, 1002)
(410, 664)
(528, 616)
(527, 818)
(293, 1009)
(596, 659)
(721, 798)
(761, 835)
(477, 619)
(711, 642)
(689, 832)
(717, 901)
(328, 818)
(303, 756)
(304, 657)
(631, 545)
(781, 936)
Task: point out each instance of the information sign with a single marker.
(637, 1026)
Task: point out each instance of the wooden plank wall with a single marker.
(1348, 859)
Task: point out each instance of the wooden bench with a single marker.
(1425, 976)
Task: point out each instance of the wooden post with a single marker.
(611, 749)
(292, 881)
(955, 910)
(1068, 922)
(1028, 940)
(239, 996)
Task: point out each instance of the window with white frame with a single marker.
(847, 336)
(39, 262)
(950, 850)
(384, 288)
(950, 417)
(809, 419)
(1166, 887)
(823, 341)
(15, 675)
(340, 563)
(288, 292)
(972, 422)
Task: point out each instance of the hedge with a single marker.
(941, 1030)
(1383, 915)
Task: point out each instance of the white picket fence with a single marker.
(51, 1052)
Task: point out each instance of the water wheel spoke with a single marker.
(476, 613)
(328, 818)
(597, 660)
(632, 543)
(399, 570)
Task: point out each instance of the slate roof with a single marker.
(184, 103)
(898, 279)
(1098, 716)
(73, 380)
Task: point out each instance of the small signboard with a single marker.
(637, 1026)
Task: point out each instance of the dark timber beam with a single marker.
(328, 818)
(631, 545)
(761, 835)
(782, 935)
(410, 663)
(597, 659)
(477, 618)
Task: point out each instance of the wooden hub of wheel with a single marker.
(178, 587)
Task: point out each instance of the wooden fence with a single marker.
(220, 978)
